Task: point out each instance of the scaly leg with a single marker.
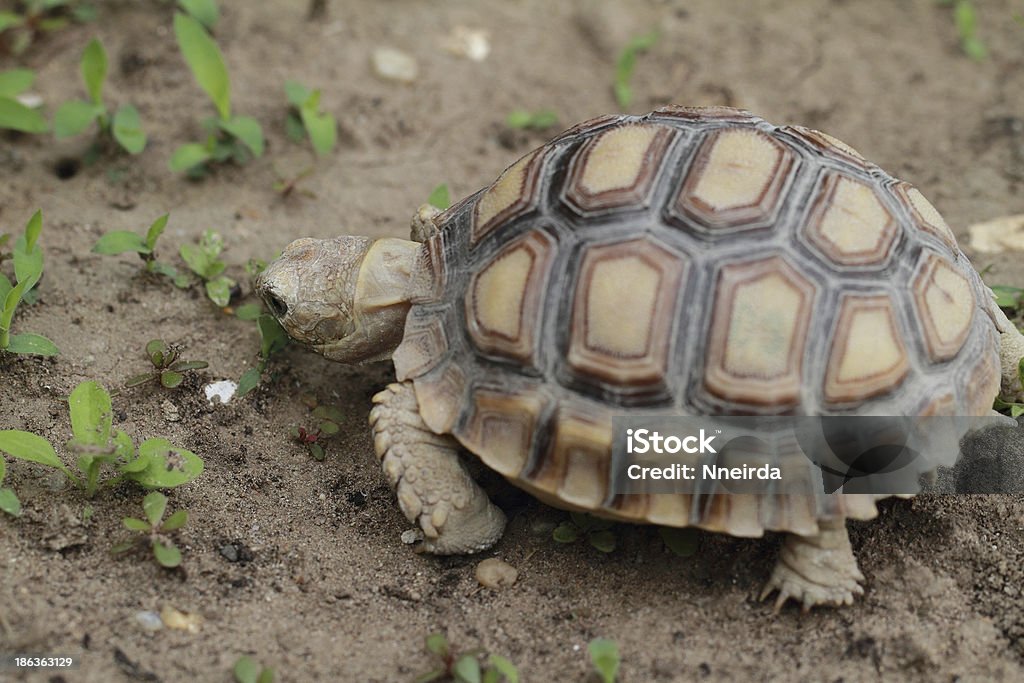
(434, 489)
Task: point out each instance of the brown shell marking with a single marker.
(945, 306)
(501, 426)
(868, 355)
(423, 347)
(762, 310)
(617, 167)
(427, 281)
(512, 194)
(577, 467)
(503, 302)
(623, 312)
(828, 145)
(737, 179)
(849, 224)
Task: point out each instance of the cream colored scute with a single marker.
(498, 293)
(930, 215)
(617, 158)
(839, 144)
(855, 222)
(739, 169)
(505, 191)
(948, 306)
(621, 305)
(763, 326)
(868, 355)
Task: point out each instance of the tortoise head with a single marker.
(345, 298)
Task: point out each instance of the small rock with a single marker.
(170, 411)
(149, 620)
(471, 43)
(229, 552)
(183, 621)
(395, 65)
(495, 573)
(222, 391)
(998, 235)
(410, 536)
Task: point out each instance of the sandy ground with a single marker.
(299, 562)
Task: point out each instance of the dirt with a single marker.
(299, 563)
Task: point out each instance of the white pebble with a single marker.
(149, 620)
(495, 573)
(395, 65)
(222, 390)
(410, 536)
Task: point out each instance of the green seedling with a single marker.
(1010, 298)
(598, 532)
(967, 27)
(168, 371)
(439, 197)
(14, 114)
(526, 120)
(626, 63)
(306, 120)
(682, 542)
(205, 12)
(248, 670)
(34, 18)
(28, 268)
(125, 241)
(1013, 409)
(273, 338)
(203, 259)
(475, 666)
(72, 118)
(328, 423)
(9, 502)
(153, 531)
(229, 138)
(96, 446)
(604, 656)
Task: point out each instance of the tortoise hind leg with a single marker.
(816, 570)
(434, 489)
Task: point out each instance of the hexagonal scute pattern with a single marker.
(501, 426)
(849, 225)
(617, 168)
(512, 194)
(736, 181)
(758, 332)
(503, 301)
(868, 356)
(925, 215)
(623, 312)
(577, 465)
(827, 145)
(945, 306)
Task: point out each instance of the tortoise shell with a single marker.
(693, 261)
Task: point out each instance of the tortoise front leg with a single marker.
(423, 226)
(434, 489)
(816, 570)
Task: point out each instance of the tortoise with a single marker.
(695, 260)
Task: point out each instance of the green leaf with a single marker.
(604, 655)
(246, 670)
(1016, 410)
(136, 524)
(167, 555)
(154, 505)
(123, 547)
(296, 93)
(127, 129)
(3, 469)
(167, 270)
(627, 63)
(188, 156)
(602, 540)
(519, 118)
(322, 129)
(28, 260)
(176, 521)
(504, 667)
(73, 117)
(293, 127)
(30, 447)
(249, 380)
(91, 414)
(169, 466)
(9, 502)
(437, 643)
(1008, 297)
(246, 129)
(205, 11)
(1020, 371)
(171, 379)
(15, 81)
(439, 197)
(94, 69)
(196, 259)
(139, 464)
(566, 532)
(466, 669)
(157, 350)
(205, 60)
(155, 230)
(120, 241)
(5, 288)
(682, 542)
(10, 20)
(33, 344)
(328, 428)
(317, 452)
(186, 365)
(273, 338)
(249, 311)
(16, 116)
(266, 676)
(219, 290)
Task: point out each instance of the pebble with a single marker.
(170, 411)
(149, 620)
(495, 573)
(998, 235)
(222, 391)
(471, 43)
(395, 65)
(410, 536)
(183, 621)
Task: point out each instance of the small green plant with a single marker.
(328, 423)
(598, 532)
(15, 115)
(72, 118)
(9, 502)
(604, 655)
(34, 18)
(306, 120)
(439, 197)
(966, 20)
(203, 259)
(248, 670)
(626, 63)
(1013, 409)
(124, 241)
(153, 531)
(229, 138)
(168, 370)
(682, 542)
(28, 268)
(156, 464)
(205, 12)
(537, 120)
(475, 666)
(1010, 298)
(273, 338)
